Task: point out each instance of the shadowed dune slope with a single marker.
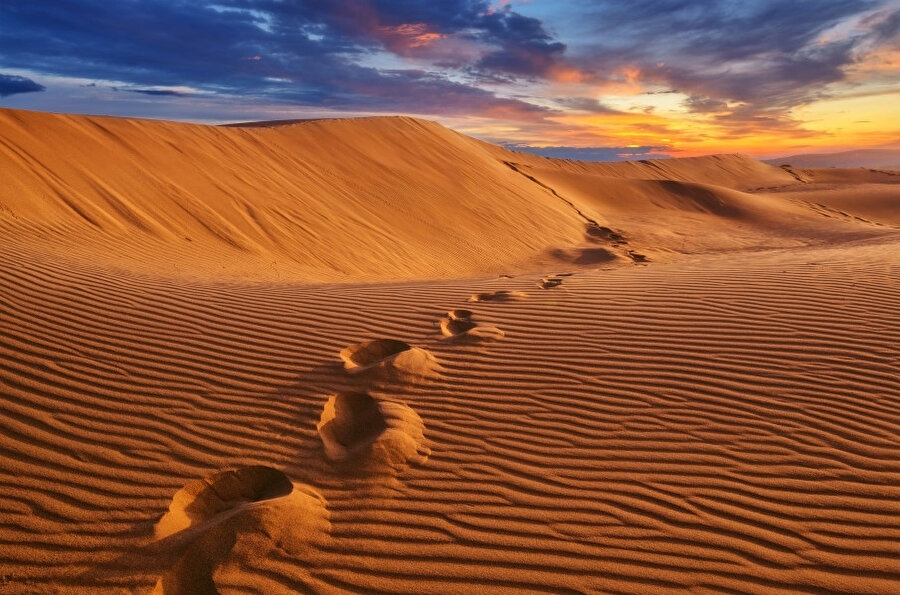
(880, 158)
(360, 199)
(717, 203)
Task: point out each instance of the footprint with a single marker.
(598, 232)
(637, 257)
(389, 357)
(498, 296)
(458, 324)
(227, 522)
(550, 282)
(355, 426)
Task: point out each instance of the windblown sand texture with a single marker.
(377, 356)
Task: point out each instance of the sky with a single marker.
(598, 80)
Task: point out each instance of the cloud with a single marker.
(701, 104)
(586, 104)
(594, 153)
(12, 84)
(304, 53)
(767, 55)
(524, 47)
(159, 92)
(738, 66)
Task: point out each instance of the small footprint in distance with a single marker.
(550, 282)
(499, 296)
(459, 325)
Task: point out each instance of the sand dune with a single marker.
(705, 397)
(878, 158)
(375, 199)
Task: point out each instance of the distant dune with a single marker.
(876, 158)
(378, 356)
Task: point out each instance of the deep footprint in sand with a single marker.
(394, 359)
(499, 296)
(458, 325)
(550, 282)
(231, 520)
(357, 427)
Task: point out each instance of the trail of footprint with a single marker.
(379, 434)
(499, 296)
(389, 359)
(231, 520)
(458, 325)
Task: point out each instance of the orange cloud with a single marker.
(565, 74)
(402, 39)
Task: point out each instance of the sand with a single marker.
(394, 359)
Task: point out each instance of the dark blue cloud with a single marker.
(12, 84)
(525, 46)
(301, 52)
(159, 92)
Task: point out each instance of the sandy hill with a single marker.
(874, 158)
(363, 199)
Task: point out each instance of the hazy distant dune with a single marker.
(875, 158)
